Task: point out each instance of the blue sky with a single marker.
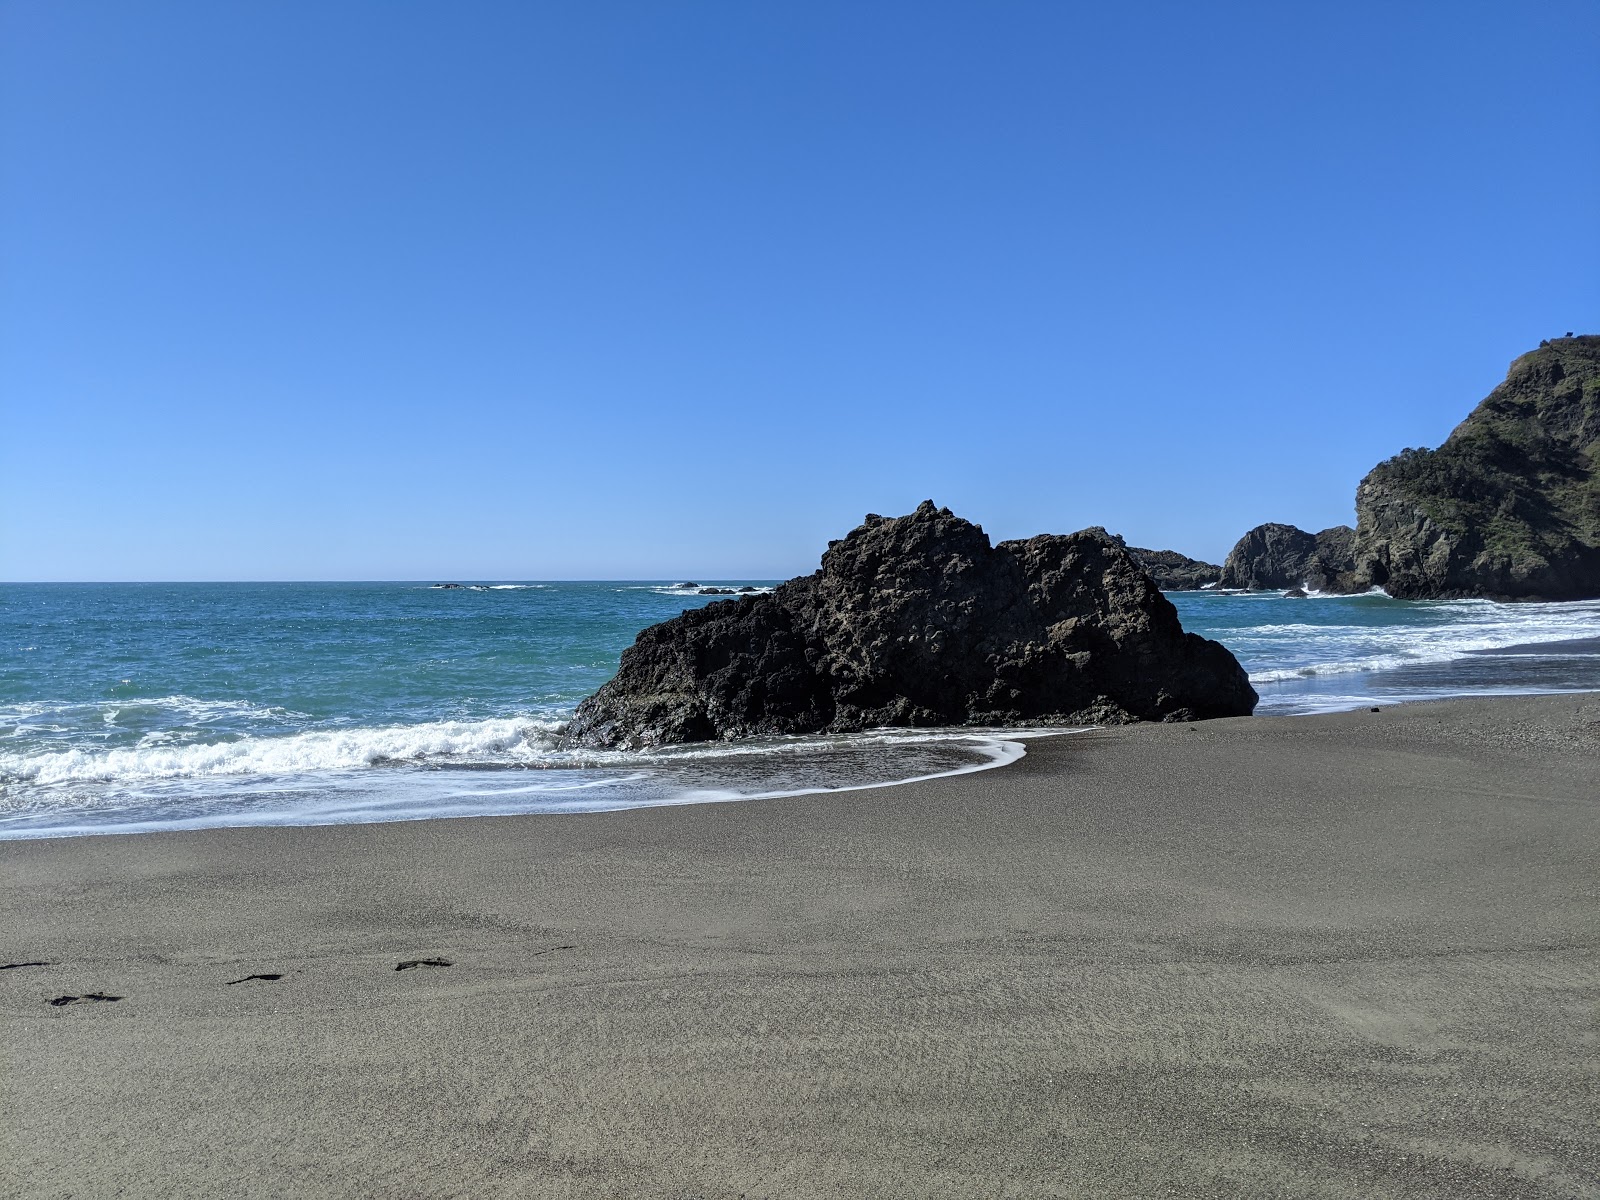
(412, 290)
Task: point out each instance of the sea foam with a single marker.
(355, 788)
(1443, 632)
(498, 741)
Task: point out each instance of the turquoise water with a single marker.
(134, 706)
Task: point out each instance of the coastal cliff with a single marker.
(1509, 506)
(1276, 556)
(920, 621)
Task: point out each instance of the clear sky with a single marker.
(600, 290)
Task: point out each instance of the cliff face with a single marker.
(920, 621)
(1274, 556)
(1509, 506)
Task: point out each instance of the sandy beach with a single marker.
(1349, 955)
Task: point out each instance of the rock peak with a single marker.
(1508, 506)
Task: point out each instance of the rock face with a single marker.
(1173, 572)
(920, 621)
(1271, 557)
(1509, 506)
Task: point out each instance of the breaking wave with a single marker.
(497, 742)
(723, 589)
(110, 712)
(1441, 632)
(348, 777)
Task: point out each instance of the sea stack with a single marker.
(1272, 557)
(920, 621)
(1509, 506)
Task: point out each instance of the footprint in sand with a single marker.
(445, 962)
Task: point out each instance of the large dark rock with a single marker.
(1509, 506)
(1272, 557)
(919, 621)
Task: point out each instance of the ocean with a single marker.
(133, 707)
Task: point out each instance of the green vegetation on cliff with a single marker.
(1509, 505)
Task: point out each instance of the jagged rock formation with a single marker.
(920, 621)
(1273, 556)
(1173, 572)
(1509, 506)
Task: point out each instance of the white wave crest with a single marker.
(196, 712)
(690, 593)
(1462, 628)
(505, 740)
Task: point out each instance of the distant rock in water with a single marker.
(1273, 557)
(920, 621)
(1509, 506)
(1173, 572)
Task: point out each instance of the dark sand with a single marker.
(1572, 648)
(1342, 956)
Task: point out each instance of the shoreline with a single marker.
(1002, 746)
(1584, 647)
(1349, 955)
(1005, 746)
(356, 746)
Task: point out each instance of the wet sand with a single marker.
(1350, 955)
(1573, 647)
